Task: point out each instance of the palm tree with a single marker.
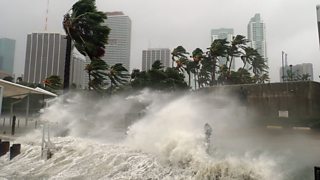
(157, 78)
(249, 55)
(218, 48)
(179, 54)
(258, 65)
(235, 49)
(193, 66)
(117, 75)
(84, 27)
(97, 74)
(204, 75)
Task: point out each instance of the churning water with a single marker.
(160, 136)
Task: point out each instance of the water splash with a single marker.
(165, 140)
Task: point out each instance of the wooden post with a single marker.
(317, 173)
(4, 147)
(15, 150)
(13, 125)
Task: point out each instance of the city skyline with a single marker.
(153, 28)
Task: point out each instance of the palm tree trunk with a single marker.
(213, 73)
(189, 74)
(195, 80)
(66, 77)
(229, 68)
(89, 83)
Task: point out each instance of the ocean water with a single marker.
(153, 135)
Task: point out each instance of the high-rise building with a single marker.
(223, 33)
(119, 42)
(151, 55)
(45, 56)
(257, 35)
(318, 20)
(7, 50)
(78, 75)
(296, 72)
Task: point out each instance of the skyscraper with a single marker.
(45, 56)
(151, 55)
(7, 50)
(119, 43)
(79, 77)
(257, 35)
(223, 33)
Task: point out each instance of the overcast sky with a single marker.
(291, 25)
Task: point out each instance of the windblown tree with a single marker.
(218, 49)
(194, 66)
(158, 78)
(179, 56)
(83, 24)
(235, 50)
(97, 74)
(118, 75)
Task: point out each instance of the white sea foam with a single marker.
(164, 141)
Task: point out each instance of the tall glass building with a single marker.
(7, 50)
(257, 35)
(119, 42)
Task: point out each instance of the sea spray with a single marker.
(162, 139)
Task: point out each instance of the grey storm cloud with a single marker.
(290, 24)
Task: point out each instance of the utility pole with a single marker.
(282, 56)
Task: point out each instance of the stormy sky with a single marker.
(291, 25)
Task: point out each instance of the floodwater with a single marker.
(161, 136)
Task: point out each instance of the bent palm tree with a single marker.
(97, 73)
(218, 48)
(178, 54)
(117, 75)
(84, 27)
